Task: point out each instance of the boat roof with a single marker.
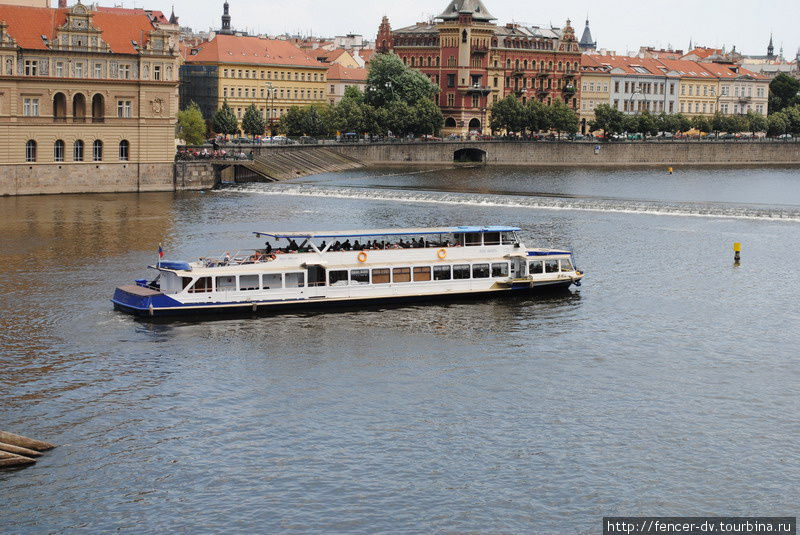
(384, 232)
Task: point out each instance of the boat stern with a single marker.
(141, 301)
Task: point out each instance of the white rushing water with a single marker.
(538, 202)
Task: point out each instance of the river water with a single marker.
(668, 384)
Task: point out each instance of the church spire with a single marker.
(226, 19)
(770, 48)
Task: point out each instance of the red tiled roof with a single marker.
(703, 53)
(252, 50)
(366, 54)
(339, 72)
(119, 26)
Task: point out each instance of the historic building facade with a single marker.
(271, 74)
(88, 97)
(476, 62)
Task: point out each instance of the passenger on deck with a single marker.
(268, 248)
(322, 245)
(357, 246)
(293, 245)
(336, 246)
(346, 245)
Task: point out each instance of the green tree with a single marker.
(701, 123)
(630, 124)
(535, 116)
(294, 121)
(792, 116)
(738, 123)
(683, 123)
(428, 117)
(666, 122)
(756, 122)
(507, 114)
(562, 118)
(225, 121)
(253, 123)
(609, 120)
(399, 118)
(389, 79)
(191, 125)
(783, 92)
(720, 122)
(648, 124)
(777, 125)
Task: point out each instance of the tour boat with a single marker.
(351, 268)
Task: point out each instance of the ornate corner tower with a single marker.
(384, 42)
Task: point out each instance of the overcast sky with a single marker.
(618, 25)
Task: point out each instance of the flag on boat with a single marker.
(160, 251)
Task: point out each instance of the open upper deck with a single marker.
(344, 234)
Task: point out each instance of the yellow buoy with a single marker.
(669, 170)
(737, 249)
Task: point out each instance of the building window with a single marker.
(98, 70)
(225, 73)
(124, 150)
(157, 72)
(476, 101)
(125, 72)
(60, 69)
(77, 151)
(451, 80)
(451, 99)
(30, 107)
(124, 109)
(31, 67)
(30, 151)
(58, 151)
(97, 150)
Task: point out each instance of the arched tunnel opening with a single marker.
(469, 156)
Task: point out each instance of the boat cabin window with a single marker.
(472, 238)
(480, 271)
(185, 281)
(551, 266)
(226, 284)
(458, 241)
(535, 267)
(359, 276)
(441, 273)
(272, 281)
(461, 271)
(566, 264)
(508, 238)
(401, 274)
(337, 277)
(380, 276)
(499, 270)
(295, 280)
(422, 274)
(248, 282)
(202, 285)
(491, 238)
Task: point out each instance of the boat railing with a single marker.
(237, 259)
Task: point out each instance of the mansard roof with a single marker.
(467, 7)
(119, 26)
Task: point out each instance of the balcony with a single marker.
(518, 73)
(544, 73)
(479, 50)
(744, 99)
(478, 90)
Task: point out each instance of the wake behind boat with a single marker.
(348, 268)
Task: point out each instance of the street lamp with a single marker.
(270, 109)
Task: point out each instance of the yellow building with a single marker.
(595, 90)
(88, 97)
(697, 89)
(242, 70)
